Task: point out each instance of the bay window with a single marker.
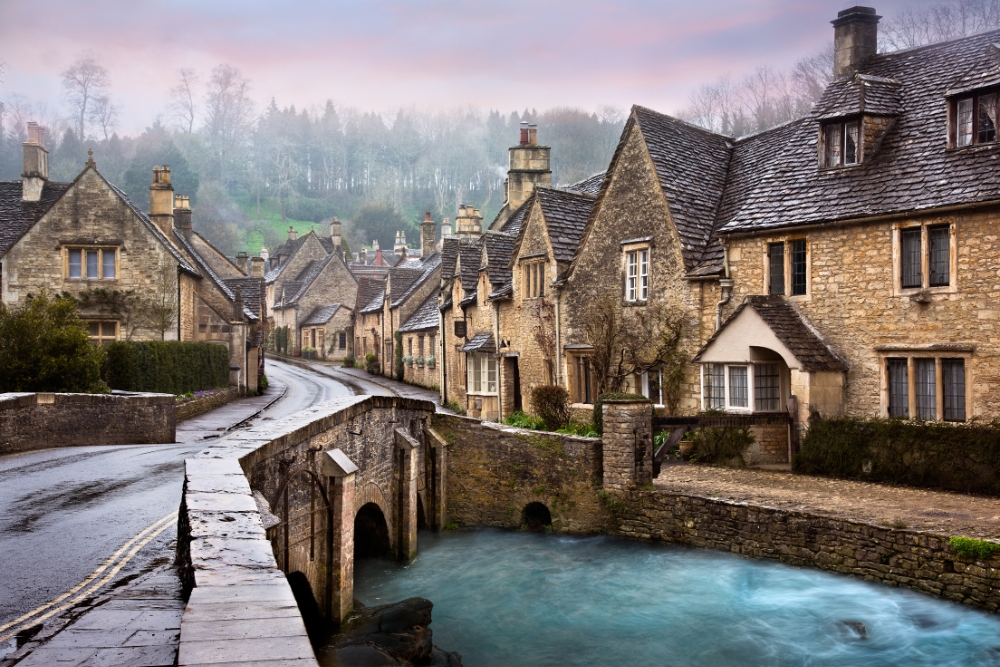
(744, 387)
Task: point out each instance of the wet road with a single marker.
(64, 512)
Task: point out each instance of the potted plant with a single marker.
(419, 361)
(408, 360)
(686, 445)
(431, 361)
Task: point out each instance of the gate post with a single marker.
(407, 447)
(627, 443)
(340, 579)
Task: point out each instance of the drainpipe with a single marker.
(496, 338)
(557, 362)
(727, 292)
(444, 361)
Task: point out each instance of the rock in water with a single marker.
(858, 627)
(388, 635)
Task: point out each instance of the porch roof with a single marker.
(481, 342)
(770, 322)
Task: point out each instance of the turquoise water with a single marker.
(511, 598)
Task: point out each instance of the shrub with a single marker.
(398, 369)
(523, 420)
(968, 547)
(721, 444)
(958, 457)
(576, 428)
(44, 346)
(263, 382)
(552, 405)
(349, 361)
(372, 365)
(169, 367)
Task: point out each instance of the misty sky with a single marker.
(431, 54)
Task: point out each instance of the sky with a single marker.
(425, 54)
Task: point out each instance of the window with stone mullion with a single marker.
(776, 268)
(899, 390)
(939, 254)
(925, 383)
(911, 274)
(953, 379)
(798, 252)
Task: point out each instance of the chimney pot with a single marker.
(524, 133)
(855, 39)
(182, 213)
(532, 135)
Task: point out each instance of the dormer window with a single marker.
(841, 144)
(975, 120)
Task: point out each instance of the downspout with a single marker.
(444, 361)
(496, 337)
(727, 288)
(557, 362)
(179, 303)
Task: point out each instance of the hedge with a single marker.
(956, 457)
(170, 367)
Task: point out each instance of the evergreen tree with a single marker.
(155, 148)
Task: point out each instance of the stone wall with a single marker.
(495, 471)
(198, 406)
(41, 421)
(920, 561)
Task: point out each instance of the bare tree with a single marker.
(229, 113)
(182, 103)
(936, 22)
(105, 114)
(158, 310)
(84, 81)
(544, 333)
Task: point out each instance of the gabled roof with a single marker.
(251, 290)
(207, 272)
(184, 264)
(468, 262)
(588, 186)
(400, 281)
(424, 318)
(498, 247)
(321, 315)
(860, 94)
(481, 342)
(18, 216)
(566, 215)
(451, 246)
(790, 328)
(426, 269)
(775, 181)
(371, 294)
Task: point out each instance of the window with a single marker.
(742, 387)
(841, 144)
(420, 345)
(342, 343)
(482, 374)
(925, 257)
(582, 381)
(787, 263)
(102, 333)
(648, 384)
(92, 263)
(534, 279)
(637, 275)
(975, 120)
(926, 387)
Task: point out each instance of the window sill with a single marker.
(908, 292)
(634, 304)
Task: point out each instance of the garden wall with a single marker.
(198, 406)
(41, 421)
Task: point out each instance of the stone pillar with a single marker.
(340, 576)
(407, 447)
(438, 482)
(627, 443)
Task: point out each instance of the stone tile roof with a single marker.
(566, 215)
(424, 318)
(251, 291)
(791, 329)
(691, 164)
(860, 94)
(469, 255)
(775, 181)
(206, 271)
(321, 315)
(426, 270)
(17, 216)
(289, 290)
(371, 293)
(513, 224)
(450, 250)
(181, 260)
(498, 248)
(481, 342)
(588, 186)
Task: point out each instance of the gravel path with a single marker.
(919, 509)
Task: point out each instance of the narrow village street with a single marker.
(68, 512)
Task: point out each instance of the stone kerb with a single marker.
(628, 443)
(30, 421)
(241, 608)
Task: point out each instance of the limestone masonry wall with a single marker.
(199, 406)
(495, 471)
(41, 421)
(917, 560)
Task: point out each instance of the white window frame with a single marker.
(636, 264)
(84, 250)
(751, 367)
(479, 367)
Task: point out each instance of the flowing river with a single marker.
(518, 598)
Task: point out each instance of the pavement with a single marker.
(63, 600)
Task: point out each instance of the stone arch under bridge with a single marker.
(328, 463)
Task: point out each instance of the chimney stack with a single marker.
(292, 234)
(428, 236)
(265, 254)
(238, 305)
(529, 167)
(161, 200)
(446, 228)
(335, 233)
(855, 39)
(36, 164)
(257, 266)
(400, 247)
(182, 215)
(363, 256)
(469, 223)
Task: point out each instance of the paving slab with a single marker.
(223, 649)
(288, 626)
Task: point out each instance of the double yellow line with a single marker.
(92, 583)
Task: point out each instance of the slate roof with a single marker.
(588, 186)
(184, 264)
(251, 291)
(691, 164)
(859, 94)
(424, 318)
(321, 315)
(775, 182)
(566, 215)
(481, 342)
(513, 224)
(469, 254)
(371, 294)
(498, 247)
(289, 290)
(791, 329)
(206, 271)
(425, 270)
(17, 216)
